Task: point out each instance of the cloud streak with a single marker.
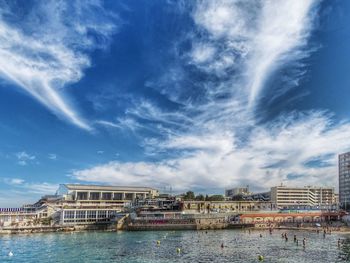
(217, 141)
(256, 38)
(24, 158)
(273, 152)
(48, 50)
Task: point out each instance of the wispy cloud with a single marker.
(216, 141)
(24, 158)
(30, 187)
(52, 156)
(48, 49)
(271, 154)
(254, 38)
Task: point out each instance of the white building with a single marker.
(306, 196)
(236, 191)
(86, 204)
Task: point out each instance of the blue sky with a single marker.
(200, 95)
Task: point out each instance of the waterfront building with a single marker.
(17, 216)
(226, 206)
(104, 193)
(302, 197)
(236, 191)
(344, 180)
(265, 196)
(77, 204)
(86, 204)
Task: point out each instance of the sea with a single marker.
(175, 246)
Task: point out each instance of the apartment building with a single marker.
(307, 196)
(344, 180)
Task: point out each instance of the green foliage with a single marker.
(46, 220)
(200, 197)
(189, 195)
(216, 198)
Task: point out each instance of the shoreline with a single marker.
(104, 228)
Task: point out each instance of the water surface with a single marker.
(196, 246)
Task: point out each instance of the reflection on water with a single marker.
(344, 254)
(195, 246)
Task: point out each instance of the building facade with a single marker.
(344, 180)
(236, 191)
(225, 206)
(299, 197)
(87, 204)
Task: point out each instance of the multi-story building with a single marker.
(344, 180)
(82, 204)
(236, 191)
(307, 196)
(76, 204)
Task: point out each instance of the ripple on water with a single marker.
(196, 246)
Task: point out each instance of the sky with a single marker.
(176, 95)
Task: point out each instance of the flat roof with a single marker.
(107, 187)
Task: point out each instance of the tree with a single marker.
(200, 197)
(216, 198)
(189, 195)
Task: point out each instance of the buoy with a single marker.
(158, 242)
(10, 254)
(178, 250)
(260, 258)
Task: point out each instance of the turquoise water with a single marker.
(196, 246)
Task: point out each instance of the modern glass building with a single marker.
(344, 180)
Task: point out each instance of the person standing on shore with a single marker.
(295, 238)
(304, 242)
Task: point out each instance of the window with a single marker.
(102, 214)
(118, 196)
(91, 214)
(80, 214)
(106, 196)
(68, 214)
(94, 196)
(82, 196)
(128, 196)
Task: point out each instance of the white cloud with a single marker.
(30, 187)
(52, 156)
(255, 38)
(47, 50)
(24, 158)
(213, 143)
(269, 156)
(14, 181)
(203, 53)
